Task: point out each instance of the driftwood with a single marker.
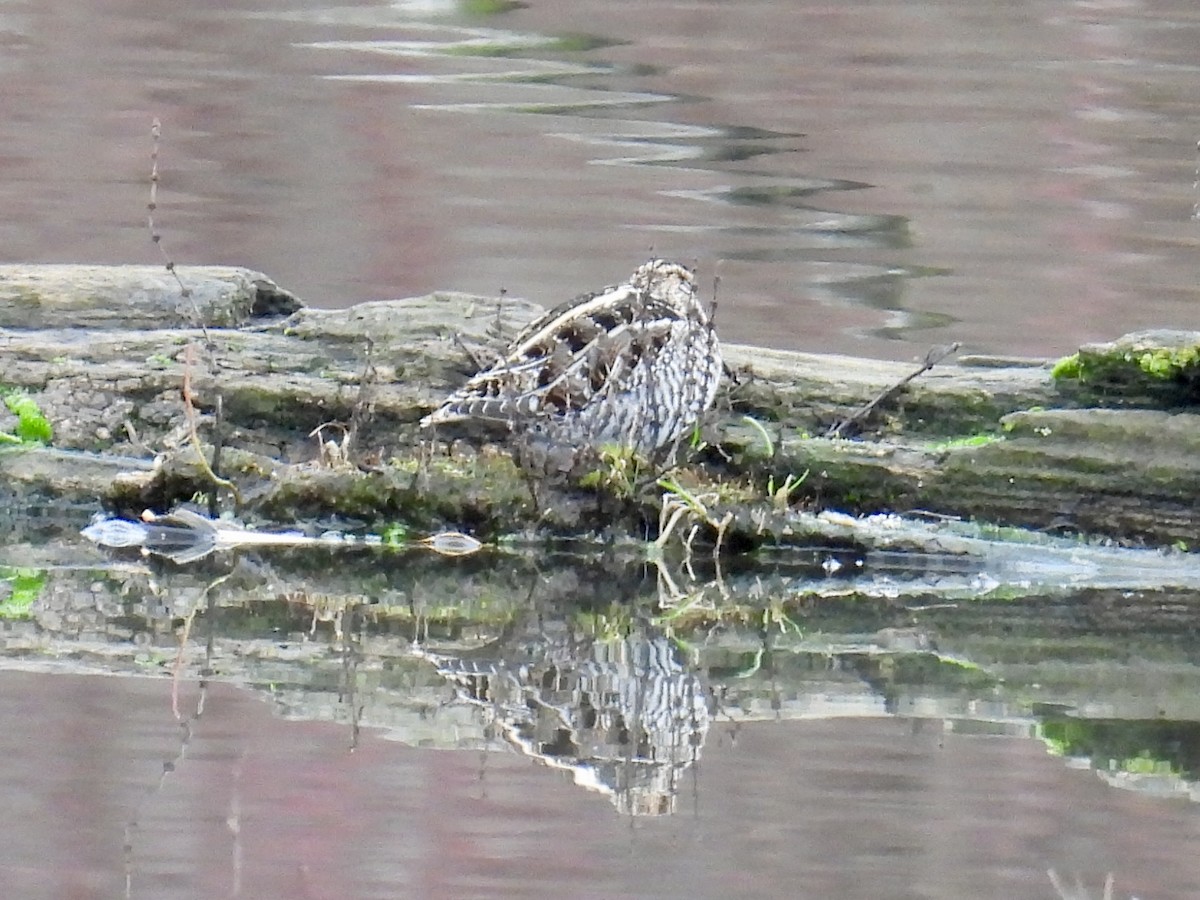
(104, 352)
(129, 297)
(870, 615)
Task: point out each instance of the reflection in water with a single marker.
(844, 725)
(1038, 158)
(621, 714)
(578, 661)
(1156, 756)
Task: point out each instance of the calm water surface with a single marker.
(846, 808)
(867, 177)
(240, 729)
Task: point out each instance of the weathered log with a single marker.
(812, 391)
(128, 297)
(1112, 472)
(381, 366)
(100, 381)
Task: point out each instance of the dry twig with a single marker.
(156, 238)
(932, 358)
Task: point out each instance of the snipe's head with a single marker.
(672, 284)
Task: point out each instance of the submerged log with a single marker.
(996, 440)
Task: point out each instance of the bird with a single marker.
(634, 365)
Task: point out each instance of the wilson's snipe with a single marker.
(634, 365)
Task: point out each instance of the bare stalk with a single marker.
(932, 358)
(156, 238)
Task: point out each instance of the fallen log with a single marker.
(996, 440)
(128, 297)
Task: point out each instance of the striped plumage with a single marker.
(634, 365)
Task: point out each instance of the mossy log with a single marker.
(1096, 471)
(995, 440)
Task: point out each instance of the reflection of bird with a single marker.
(624, 715)
(634, 365)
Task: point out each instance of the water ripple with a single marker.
(510, 72)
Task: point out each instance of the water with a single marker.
(871, 177)
(866, 177)
(261, 807)
(362, 722)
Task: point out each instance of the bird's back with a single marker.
(634, 365)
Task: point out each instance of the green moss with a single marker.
(855, 488)
(1143, 747)
(1168, 363)
(1119, 367)
(32, 427)
(488, 7)
(569, 43)
(973, 440)
(617, 472)
(1146, 765)
(1068, 367)
(583, 43)
(395, 535)
(25, 586)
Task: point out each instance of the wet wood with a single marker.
(112, 385)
